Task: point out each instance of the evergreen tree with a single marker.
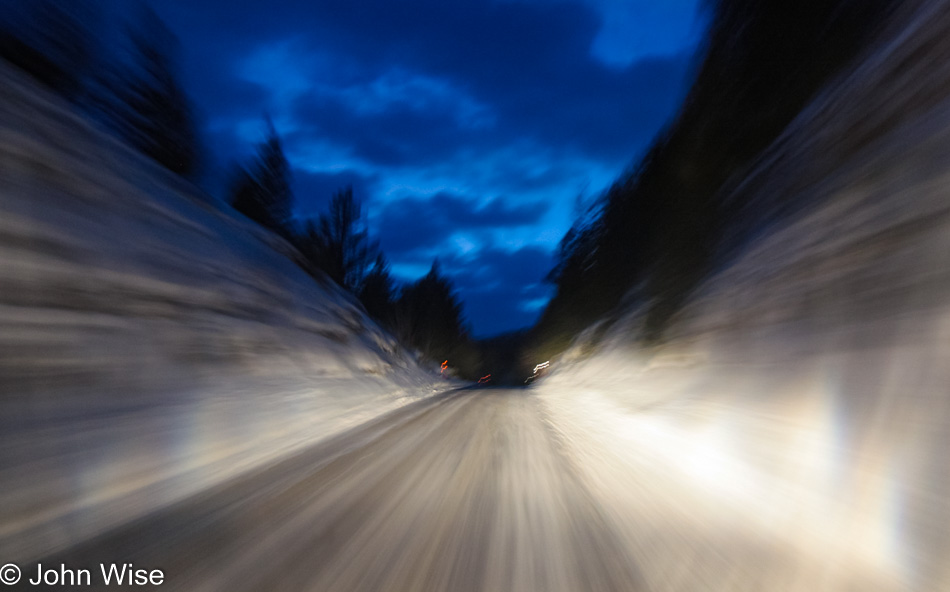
(263, 193)
(430, 315)
(674, 219)
(53, 43)
(376, 292)
(339, 243)
(154, 114)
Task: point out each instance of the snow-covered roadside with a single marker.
(153, 343)
(833, 456)
(803, 399)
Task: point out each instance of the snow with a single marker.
(154, 343)
(802, 398)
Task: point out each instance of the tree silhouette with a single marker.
(154, 114)
(263, 192)
(674, 219)
(430, 315)
(53, 44)
(376, 292)
(339, 242)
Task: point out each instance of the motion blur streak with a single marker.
(787, 490)
(179, 394)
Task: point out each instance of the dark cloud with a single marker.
(400, 135)
(490, 96)
(589, 109)
(313, 191)
(408, 224)
(522, 267)
(529, 63)
(499, 288)
(604, 112)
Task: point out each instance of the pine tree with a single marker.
(376, 292)
(53, 43)
(430, 315)
(263, 193)
(339, 242)
(154, 114)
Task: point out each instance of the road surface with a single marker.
(473, 490)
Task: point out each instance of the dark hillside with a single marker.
(658, 231)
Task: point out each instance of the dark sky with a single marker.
(468, 128)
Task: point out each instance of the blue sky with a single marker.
(469, 129)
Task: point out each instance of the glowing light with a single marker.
(537, 369)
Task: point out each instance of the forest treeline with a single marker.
(669, 221)
(140, 99)
(663, 226)
(426, 315)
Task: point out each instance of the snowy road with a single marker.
(469, 490)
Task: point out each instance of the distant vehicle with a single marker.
(485, 379)
(539, 371)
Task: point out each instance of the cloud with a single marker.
(501, 289)
(406, 225)
(400, 80)
(313, 191)
(421, 104)
(633, 29)
(400, 135)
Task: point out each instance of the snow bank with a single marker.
(153, 343)
(804, 392)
